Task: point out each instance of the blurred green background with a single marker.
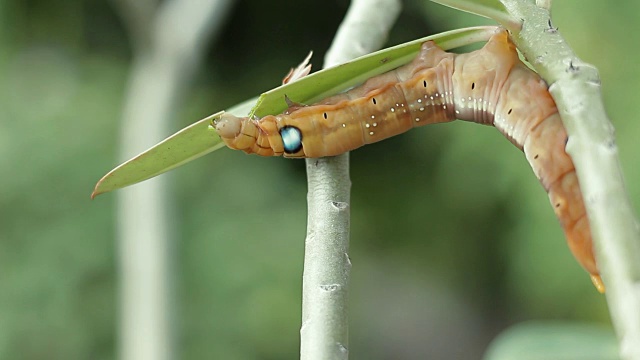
(453, 238)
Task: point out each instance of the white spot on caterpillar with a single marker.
(432, 98)
(469, 98)
(444, 106)
(422, 109)
(370, 132)
(366, 125)
(393, 109)
(375, 124)
(419, 100)
(344, 125)
(457, 111)
(373, 116)
(417, 119)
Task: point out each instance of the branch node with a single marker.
(551, 29)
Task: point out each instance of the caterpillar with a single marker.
(489, 86)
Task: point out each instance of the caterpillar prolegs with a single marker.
(490, 86)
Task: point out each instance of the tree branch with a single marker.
(575, 86)
(138, 17)
(324, 330)
(544, 4)
(168, 40)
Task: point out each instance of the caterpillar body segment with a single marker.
(490, 86)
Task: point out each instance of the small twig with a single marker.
(324, 332)
(575, 86)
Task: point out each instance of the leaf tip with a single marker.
(94, 194)
(100, 186)
(96, 190)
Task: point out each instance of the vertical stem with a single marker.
(575, 86)
(324, 332)
(168, 39)
(325, 329)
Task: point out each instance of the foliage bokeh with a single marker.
(453, 238)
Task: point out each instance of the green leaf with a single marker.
(180, 148)
(188, 144)
(331, 81)
(492, 9)
(554, 341)
(200, 139)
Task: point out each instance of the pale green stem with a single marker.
(575, 86)
(324, 332)
(169, 39)
(544, 4)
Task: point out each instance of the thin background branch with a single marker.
(324, 331)
(168, 39)
(575, 86)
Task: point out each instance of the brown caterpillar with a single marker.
(490, 86)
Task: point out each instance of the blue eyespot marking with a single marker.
(291, 139)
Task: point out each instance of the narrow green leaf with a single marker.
(331, 81)
(492, 9)
(190, 143)
(199, 139)
(181, 147)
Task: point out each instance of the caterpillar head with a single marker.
(237, 133)
(228, 126)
